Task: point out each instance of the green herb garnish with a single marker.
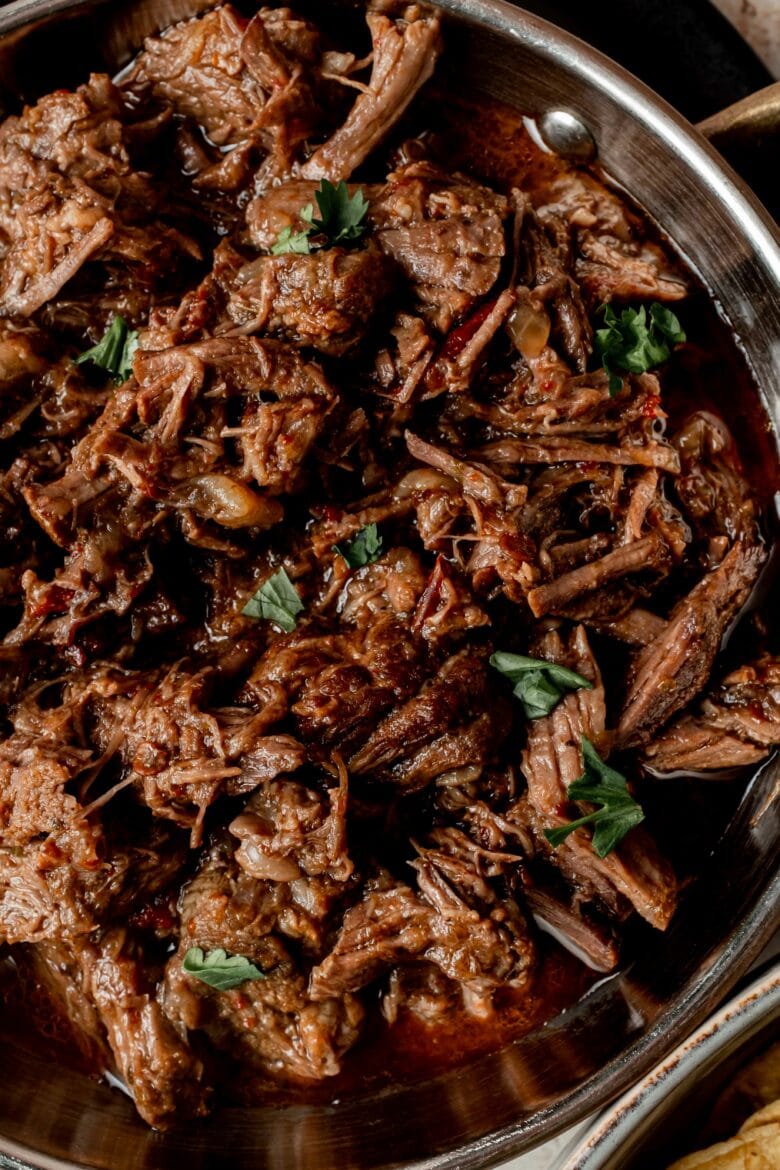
(539, 685)
(290, 241)
(219, 969)
(340, 220)
(115, 350)
(629, 343)
(277, 600)
(601, 785)
(363, 549)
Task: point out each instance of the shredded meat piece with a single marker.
(560, 450)
(446, 234)
(253, 86)
(549, 262)
(159, 1067)
(436, 925)
(295, 1036)
(711, 486)
(595, 944)
(737, 723)
(183, 754)
(404, 56)
(70, 195)
(672, 670)
(440, 705)
(552, 761)
(326, 300)
(286, 830)
(630, 558)
(612, 261)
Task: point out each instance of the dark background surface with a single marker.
(684, 49)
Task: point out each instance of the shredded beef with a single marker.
(673, 669)
(736, 723)
(262, 565)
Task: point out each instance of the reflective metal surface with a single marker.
(502, 1103)
(663, 1116)
(567, 135)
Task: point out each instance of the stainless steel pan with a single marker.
(506, 1102)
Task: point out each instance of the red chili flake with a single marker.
(435, 379)
(429, 599)
(462, 335)
(153, 917)
(49, 855)
(56, 599)
(652, 408)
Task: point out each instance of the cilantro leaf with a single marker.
(341, 214)
(277, 600)
(539, 685)
(363, 549)
(290, 241)
(601, 785)
(340, 220)
(115, 350)
(632, 343)
(218, 969)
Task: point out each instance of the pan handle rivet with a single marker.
(567, 135)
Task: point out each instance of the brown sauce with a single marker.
(411, 1050)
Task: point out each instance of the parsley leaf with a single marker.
(363, 549)
(341, 214)
(602, 785)
(115, 350)
(277, 600)
(219, 969)
(340, 220)
(628, 342)
(539, 685)
(290, 241)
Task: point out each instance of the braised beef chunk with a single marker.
(552, 761)
(673, 669)
(396, 923)
(70, 195)
(355, 592)
(326, 301)
(711, 486)
(157, 1065)
(736, 723)
(446, 235)
(257, 86)
(274, 1023)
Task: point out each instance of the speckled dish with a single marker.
(652, 1125)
